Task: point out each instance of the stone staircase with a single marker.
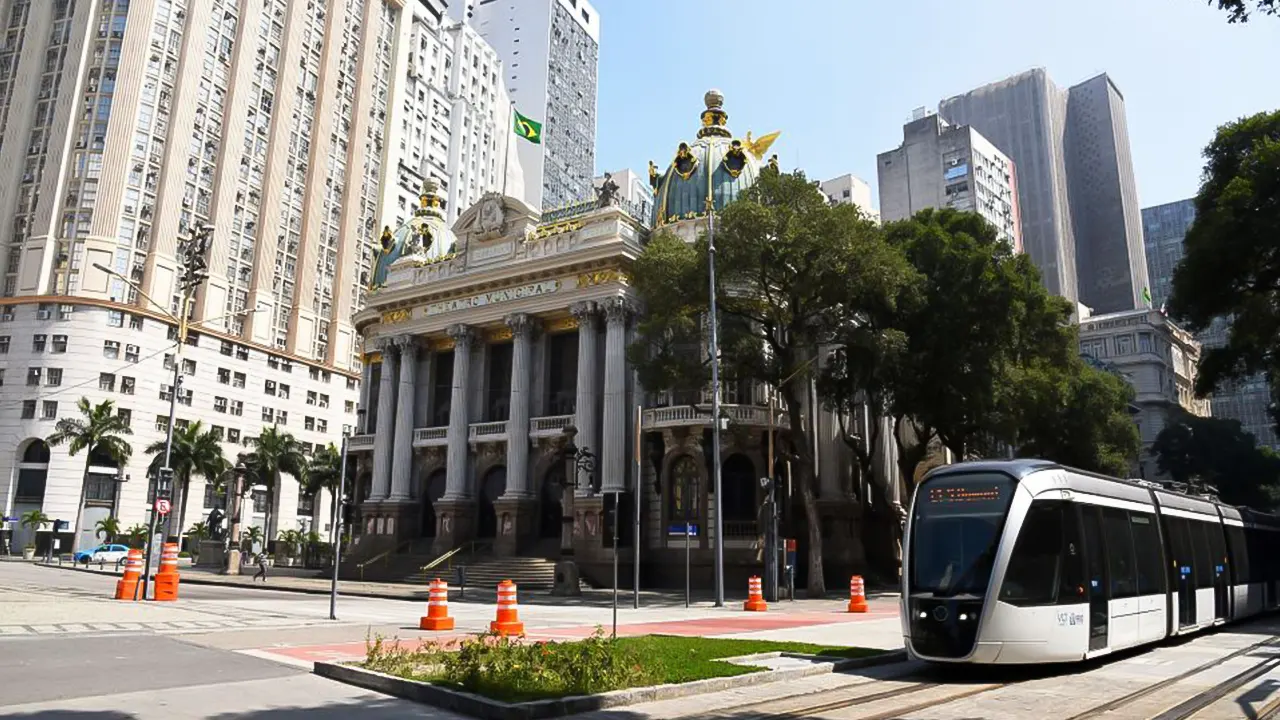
(530, 574)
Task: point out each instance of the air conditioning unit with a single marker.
(44, 314)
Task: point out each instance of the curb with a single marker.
(481, 707)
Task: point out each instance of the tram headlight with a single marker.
(963, 617)
(923, 615)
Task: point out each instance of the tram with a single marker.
(1028, 561)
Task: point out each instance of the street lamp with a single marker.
(337, 516)
(715, 403)
(236, 503)
(576, 461)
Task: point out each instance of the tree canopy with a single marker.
(275, 452)
(1218, 452)
(1242, 10)
(196, 452)
(1231, 266)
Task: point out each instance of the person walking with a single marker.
(262, 568)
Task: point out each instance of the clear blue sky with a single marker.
(839, 77)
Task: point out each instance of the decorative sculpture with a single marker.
(608, 193)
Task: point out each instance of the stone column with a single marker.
(386, 423)
(587, 413)
(459, 420)
(613, 448)
(402, 451)
(522, 329)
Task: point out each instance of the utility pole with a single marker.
(715, 402)
(337, 527)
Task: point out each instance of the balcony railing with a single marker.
(549, 426)
(741, 530)
(359, 442)
(681, 415)
(488, 431)
(430, 436)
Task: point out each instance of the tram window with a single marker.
(1217, 546)
(1239, 555)
(1204, 558)
(1146, 545)
(1180, 542)
(1120, 562)
(1036, 567)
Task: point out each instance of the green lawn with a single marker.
(517, 672)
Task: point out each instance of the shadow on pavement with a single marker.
(370, 707)
(69, 715)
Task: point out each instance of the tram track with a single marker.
(1190, 705)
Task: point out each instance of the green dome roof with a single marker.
(715, 167)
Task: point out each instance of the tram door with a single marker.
(1217, 550)
(1096, 572)
(1183, 563)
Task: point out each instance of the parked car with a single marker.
(103, 554)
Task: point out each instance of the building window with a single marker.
(349, 406)
(166, 392)
(189, 366)
(64, 313)
(185, 396)
(237, 380)
(168, 361)
(351, 383)
(135, 322)
(273, 362)
(1124, 344)
(311, 397)
(28, 409)
(237, 407)
(115, 318)
(125, 415)
(259, 501)
(306, 505)
(49, 410)
(224, 376)
(1, 377)
(218, 432)
(38, 343)
(286, 366)
(111, 349)
(181, 424)
(59, 343)
(308, 423)
(315, 373)
(33, 377)
(283, 391)
(1144, 343)
(268, 414)
(282, 418)
(269, 387)
(324, 400)
(131, 352)
(227, 347)
(107, 382)
(242, 352)
(213, 498)
(4, 344)
(233, 435)
(220, 404)
(322, 425)
(53, 377)
(128, 385)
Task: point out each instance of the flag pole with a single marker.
(506, 151)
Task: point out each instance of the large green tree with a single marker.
(1231, 268)
(324, 472)
(196, 452)
(1242, 10)
(100, 432)
(790, 271)
(274, 453)
(1218, 452)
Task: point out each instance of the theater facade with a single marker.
(486, 340)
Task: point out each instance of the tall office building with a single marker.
(1164, 228)
(943, 165)
(849, 189)
(448, 117)
(549, 51)
(1078, 199)
(124, 126)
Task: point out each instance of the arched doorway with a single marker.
(683, 491)
(432, 491)
(100, 498)
(33, 474)
(740, 507)
(550, 509)
(492, 488)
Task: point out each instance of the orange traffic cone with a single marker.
(755, 596)
(437, 617)
(857, 595)
(508, 620)
(167, 577)
(127, 586)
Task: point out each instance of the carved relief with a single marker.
(461, 334)
(521, 323)
(618, 309)
(584, 311)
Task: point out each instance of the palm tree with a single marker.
(108, 529)
(34, 520)
(137, 534)
(197, 532)
(249, 538)
(274, 453)
(195, 452)
(98, 432)
(324, 472)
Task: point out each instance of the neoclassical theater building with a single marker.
(485, 340)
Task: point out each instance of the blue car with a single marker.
(106, 554)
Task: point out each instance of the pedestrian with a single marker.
(262, 568)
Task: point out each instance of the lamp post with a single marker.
(337, 516)
(715, 402)
(236, 503)
(576, 461)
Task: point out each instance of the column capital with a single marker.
(522, 323)
(461, 334)
(384, 344)
(618, 309)
(406, 343)
(584, 311)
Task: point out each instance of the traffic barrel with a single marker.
(857, 595)
(437, 617)
(755, 596)
(508, 619)
(127, 586)
(167, 577)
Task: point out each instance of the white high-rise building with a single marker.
(944, 165)
(549, 51)
(124, 126)
(449, 117)
(849, 189)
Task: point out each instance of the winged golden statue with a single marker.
(761, 146)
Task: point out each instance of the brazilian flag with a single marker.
(1146, 295)
(528, 129)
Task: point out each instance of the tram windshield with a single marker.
(956, 531)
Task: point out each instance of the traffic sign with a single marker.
(162, 506)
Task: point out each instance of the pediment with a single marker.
(494, 216)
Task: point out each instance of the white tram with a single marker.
(1027, 561)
